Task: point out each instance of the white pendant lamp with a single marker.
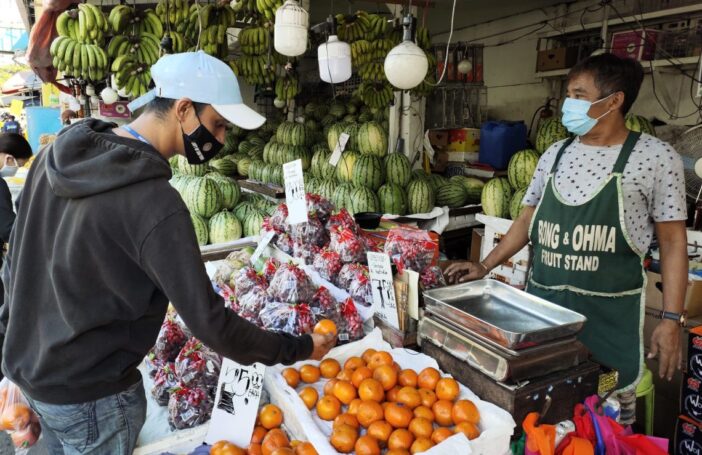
(290, 32)
(334, 58)
(406, 65)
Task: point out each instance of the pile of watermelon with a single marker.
(502, 196)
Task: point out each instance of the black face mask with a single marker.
(200, 145)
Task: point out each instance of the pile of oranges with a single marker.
(267, 438)
(375, 405)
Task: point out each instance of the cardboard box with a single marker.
(476, 241)
(636, 44)
(515, 270)
(439, 138)
(693, 297)
(688, 437)
(556, 59)
(463, 157)
(464, 140)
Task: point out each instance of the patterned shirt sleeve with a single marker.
(538, 181)
(667, 201)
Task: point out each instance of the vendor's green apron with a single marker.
(584, 260)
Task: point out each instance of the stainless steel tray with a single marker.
(502, 314)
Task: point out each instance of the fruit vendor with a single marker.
(102, 243)
(592, 208)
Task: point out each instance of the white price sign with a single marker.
(236, 403)
(384, 302)
(295, 192)
(262, 244)
(338, 150)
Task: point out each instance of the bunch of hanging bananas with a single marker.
(254, 40)
(287, 87)
(256, 69)
(210, 23)
(361, 26)
(268, 8)
(86, 24)
(234, 66)
(130, 75)
(375, 94)
(179, 42)
(373, 71)
(360, 53)
(423, 39)
(145, 48)
(84, 60)
(175, 13)
(244, 9)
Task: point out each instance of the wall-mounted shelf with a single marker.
(682, 10)
(690, 62)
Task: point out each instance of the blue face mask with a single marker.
(575, 117)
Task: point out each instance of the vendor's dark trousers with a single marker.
(108, 426)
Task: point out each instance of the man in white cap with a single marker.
(102, 243)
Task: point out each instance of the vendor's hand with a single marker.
(460, 272)
(666, 342)
(322, 345)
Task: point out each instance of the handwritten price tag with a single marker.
(295, 192)
(262, 244)
(339, 149)
(236, 403)
(384, 302)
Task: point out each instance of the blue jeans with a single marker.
(108, 426)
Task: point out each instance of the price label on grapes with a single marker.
(295, 192)
(236, 403)
(339, 149)
(262, 244)
(384, 302)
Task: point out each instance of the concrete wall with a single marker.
(514, 93)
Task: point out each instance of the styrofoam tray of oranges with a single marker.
(367, 398)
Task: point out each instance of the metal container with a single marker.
(502, 314)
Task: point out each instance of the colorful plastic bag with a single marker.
(17, 418)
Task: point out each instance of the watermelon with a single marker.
(344, 168)
(201, 229)
(420, 196)
(337, 109)
(266, 173)
(228, 187)
(393, 199)
(372, 139)
(253, 223)
(326, 189)
(437, 181)
(341, 196)
(419, 174)
(640, 124)
(277, 175)
(327, 121)
(515, 205)
(191, 169)
(320, 167)
(256, 170)
(496, 197)
(334, 134)
(224, 227)
(550, 131)
(256, 140)
(231, 142)
(245, 147)
(521, 168)
(473, 186)
(203, 197)
(223, 166)
(363, 199)
(368, 171)
(452, 195)
(398, 169)
(312, 184)
(243, 166)
(243, 210)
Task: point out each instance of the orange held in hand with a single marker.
(325, 326)
(226, 448)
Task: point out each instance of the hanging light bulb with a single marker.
(290, 32)
(334, 58)
(406, 64)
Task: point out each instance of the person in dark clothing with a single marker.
(12, 126)
(15, 151)
(102, 243)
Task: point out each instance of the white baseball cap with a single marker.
(202, 79)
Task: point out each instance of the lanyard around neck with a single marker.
(131, 131)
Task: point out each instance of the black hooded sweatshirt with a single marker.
(101, 243)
